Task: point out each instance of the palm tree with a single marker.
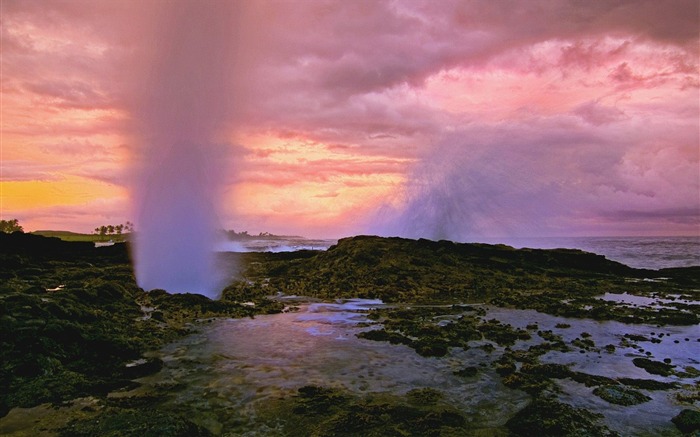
(119, 228)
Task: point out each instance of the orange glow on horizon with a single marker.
(307, 182)
(71, 190)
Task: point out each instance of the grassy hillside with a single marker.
(74, 236)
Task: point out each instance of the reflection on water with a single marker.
(232, 366)
(221, 375)
(643, 301)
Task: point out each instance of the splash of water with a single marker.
(466, 188)
(182, 111)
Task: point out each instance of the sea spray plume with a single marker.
(473, 185)
(185, 104)
(435, 203)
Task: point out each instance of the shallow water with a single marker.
(643, 301)
(225, 373)
(232, 366)
(680, 344)
(222, 374)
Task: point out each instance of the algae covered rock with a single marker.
(74, 321)
(550, 418)
(143, 422)
(654, 367)
(325, 411)
(620, 395)
(687, 421)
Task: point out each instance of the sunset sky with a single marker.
(442, 119)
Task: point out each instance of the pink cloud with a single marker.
(526, 117)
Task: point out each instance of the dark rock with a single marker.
(687, 421)
(648, 384)
(654, 367)
(145, 422)
(620, 396)
(141, 368)
(549, 418)
(467, 372)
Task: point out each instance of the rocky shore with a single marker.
(77, 331)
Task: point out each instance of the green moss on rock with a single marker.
(620, 395)
(550, 418)
(687, 421)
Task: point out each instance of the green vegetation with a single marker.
(688, 421)
(116, 422)
(10, 226)
(548, 417)
(69, 236)
(244, 235)
(654, 367)
(620, 395)
(322, 411)
(115, 232)
(419, 329)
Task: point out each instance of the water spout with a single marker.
(183, 109)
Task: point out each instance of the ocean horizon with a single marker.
(637, 252)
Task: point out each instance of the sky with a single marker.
(449, 119)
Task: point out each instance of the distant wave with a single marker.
(274, 245)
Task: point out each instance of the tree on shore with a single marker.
(9, 226)
(114, 230)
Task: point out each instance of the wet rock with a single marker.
(467, 372)
(620, 396)
(148, 422)
(323, 411)
(424, 396)
(687, 421)
(77, 339)
(635, 337)
(648, 384)
(550, 418)
(502, 334)
(654, 367)
(142, 367)
(314, 399)
(505, 365)
(383, 335)
(429, 347)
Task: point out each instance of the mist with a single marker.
(182, 112)
(502, 182)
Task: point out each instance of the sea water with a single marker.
(638, 252)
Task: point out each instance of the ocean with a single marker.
(638, 252)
